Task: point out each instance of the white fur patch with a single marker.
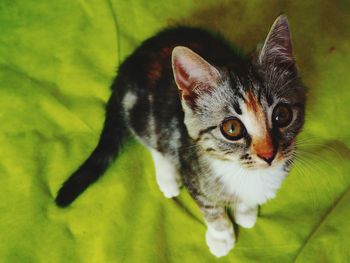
(166, 174)
(152, 135)
(253, 121)
(245, 216)
(129, 101)
(220, 242)
(251, 186)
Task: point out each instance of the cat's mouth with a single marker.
(250, 161)
(257, 166)
(256, 162)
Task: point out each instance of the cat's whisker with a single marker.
(309, 162)
(308, 138)
(303, 168)
(327, 148)
(303, 153)
(304, 144)
(184, 148)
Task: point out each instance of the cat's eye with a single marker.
(232, 128)
(282, 115)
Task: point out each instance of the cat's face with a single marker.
(251, 114)
(246, 122)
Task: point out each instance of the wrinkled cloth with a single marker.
(57, 61)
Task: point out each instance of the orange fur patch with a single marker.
(155, 70)
(158, 63)
(264, 147)
(262, 143)
(252, 103)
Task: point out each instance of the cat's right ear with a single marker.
(192, 73)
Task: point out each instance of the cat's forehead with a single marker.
(251, 101)
(267, 85)
(248, 102)
(256, 86)
(233, 97)
(249, 89)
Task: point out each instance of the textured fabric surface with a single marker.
(57, 60)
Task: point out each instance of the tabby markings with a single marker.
(201, 132)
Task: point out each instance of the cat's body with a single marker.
(208, 117)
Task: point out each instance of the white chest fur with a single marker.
(250, 186)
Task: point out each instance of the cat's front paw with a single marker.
(246, 221)
(220, 242)
(168, 179)
(170, 189)
(245, 216)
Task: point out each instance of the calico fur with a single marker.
(174, 93)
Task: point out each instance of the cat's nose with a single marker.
(264, 148)
(267, 156)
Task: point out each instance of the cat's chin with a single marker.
(259, 167)
(250, 167)
(262, 166)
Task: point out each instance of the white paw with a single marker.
(220, 242)
(167, 176)
(170, 188)
(246, 220)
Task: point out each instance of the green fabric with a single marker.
(57, 60)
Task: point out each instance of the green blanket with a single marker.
(57, 60)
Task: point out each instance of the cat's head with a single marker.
(249, 115)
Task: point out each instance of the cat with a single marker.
(221, 123)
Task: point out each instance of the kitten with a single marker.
(222, 124)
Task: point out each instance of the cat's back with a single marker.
(151, 61)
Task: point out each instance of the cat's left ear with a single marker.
(277, 48)
(192, 73)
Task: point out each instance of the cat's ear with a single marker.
(192, 73)
(277, 48)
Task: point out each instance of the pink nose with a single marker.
(267, 156)
(264, 149)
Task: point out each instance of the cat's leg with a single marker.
(167, 175)
(220, 236)
(245, 215)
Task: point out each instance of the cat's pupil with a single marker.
(232, 128)
(282, 115)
